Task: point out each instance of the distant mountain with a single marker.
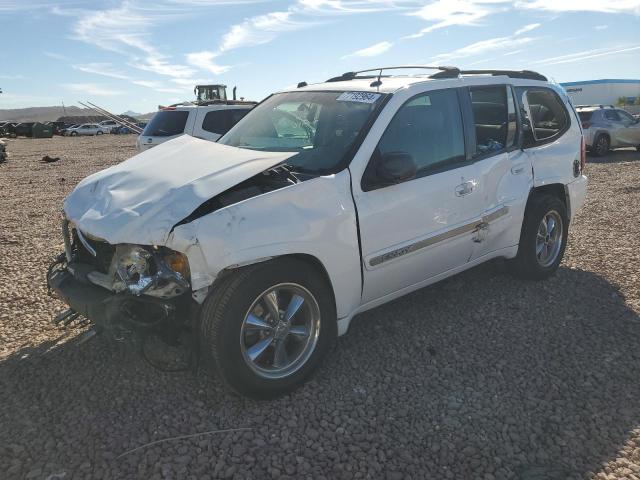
(41, 114)
(131, 113)
(51, 114)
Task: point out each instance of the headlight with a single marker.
(157, 272)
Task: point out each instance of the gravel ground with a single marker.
(480, 376)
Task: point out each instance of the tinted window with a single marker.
(429, 128)
(166, 123)
(216, 122)
(548, 114)
(625, 117)
(490, 115)
(585, 116)
(237, 115)
(612, 115)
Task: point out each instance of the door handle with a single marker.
(465, 188)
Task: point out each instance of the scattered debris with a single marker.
(3, 151)
(48, 159)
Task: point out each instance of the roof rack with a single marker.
(353, 75)
(596, 105)
(443, 72)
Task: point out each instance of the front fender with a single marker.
(316, 217)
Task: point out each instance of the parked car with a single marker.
(209, 122)
(607, 127)
(108, 126)
(323, 202)
(84, 129)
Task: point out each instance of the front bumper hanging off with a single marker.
(118, 313)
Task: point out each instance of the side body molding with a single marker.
(316, 217)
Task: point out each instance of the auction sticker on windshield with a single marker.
(362, 97)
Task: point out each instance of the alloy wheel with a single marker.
(549, 238)
(280, 331)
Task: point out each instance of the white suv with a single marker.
(323, 202)
(208, 122)
(608, 127)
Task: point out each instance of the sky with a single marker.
(136, 55)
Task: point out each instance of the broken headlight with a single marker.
(158, 272)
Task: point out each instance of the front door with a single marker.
(424, 226)
(628, 131)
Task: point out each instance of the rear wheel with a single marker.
(99, 132)
(601, 145)
(543, 238)
(267, 326)
(73, 134)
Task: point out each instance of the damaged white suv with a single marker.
(323, 202)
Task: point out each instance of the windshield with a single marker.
(321, 126)
(166, 123)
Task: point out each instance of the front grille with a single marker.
(104, 253)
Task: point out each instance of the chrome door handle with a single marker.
(466, 188)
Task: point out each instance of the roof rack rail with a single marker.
(526, 74)
(353, 75)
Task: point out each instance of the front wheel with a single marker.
(74, 134)
(543, 238)
(267, 326)
(99, 132)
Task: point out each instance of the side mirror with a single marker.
(394, 167)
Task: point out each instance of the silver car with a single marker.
(85, 129)
(608, 127)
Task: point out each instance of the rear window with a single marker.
(166, 123)
(585, 116)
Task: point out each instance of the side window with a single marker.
(493, 118)
(428, 127)
(612, 115)
(548, 114)
(215, 122)
(237, 115)
(626, 118)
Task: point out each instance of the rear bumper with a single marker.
(577, 193)
(116, 311)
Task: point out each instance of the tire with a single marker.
(638, 148)
(601, 145)
(74, 134)
(99, 132)
(228, 341)
(530, 262)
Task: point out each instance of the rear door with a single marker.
(422, 227)
(504, 170)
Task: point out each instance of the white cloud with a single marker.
(602, 27)
(259, 30)
(205, 61)
(588, 54)
(482, 47)
(56, 56)
(372, 51)
(10, 77)
(91, 89)
(104, 69)
(447, 13)
(610, 6)
(527, 28)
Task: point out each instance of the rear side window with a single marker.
(166, 123)
(216, 122)
(494, 118)
(221, 121)
(585, 116)
(549, 117)
(429, 128)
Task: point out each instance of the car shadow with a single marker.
(478, 374)
(616, 156)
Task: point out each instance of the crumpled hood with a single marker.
(141, 199)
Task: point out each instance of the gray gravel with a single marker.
(481, 376)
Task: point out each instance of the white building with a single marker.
(605, 92)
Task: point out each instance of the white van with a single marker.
(208, 122)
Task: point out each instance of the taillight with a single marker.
(583, 155)
(586, 125)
